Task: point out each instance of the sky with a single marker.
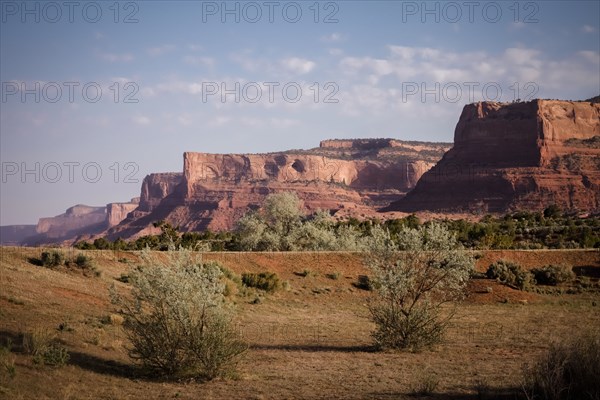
(97, 94)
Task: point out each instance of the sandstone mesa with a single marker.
(505, 157)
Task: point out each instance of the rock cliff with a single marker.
(117, 212)
(511, 156)
(214, 190)
(74, 219)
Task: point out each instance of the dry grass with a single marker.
(310, 342)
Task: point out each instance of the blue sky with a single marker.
(350, 69)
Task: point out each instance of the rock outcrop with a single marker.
(117, 212)
(14, 235)
(74, 219)
(516, 156)
(215, 190)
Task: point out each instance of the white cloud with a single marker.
(298, 65)
(367, 83)
(114, 57)
(218, 121)
(160, 50)
(199, 61)
(141, 120)
(332, 38)
(591, 56)
(185, 119)
(588, 29)
(283, 122)
(195, 47)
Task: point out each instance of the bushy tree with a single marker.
(280, 225)
(283, 212)
(177, 319)
(414, 275)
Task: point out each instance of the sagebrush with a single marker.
(511, 274)
(567, 371)
(413, 279)
(177, 319)
(553, 274)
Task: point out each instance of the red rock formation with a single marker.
(217, 189)
(516, 156)
(117, 212)
(74, 219)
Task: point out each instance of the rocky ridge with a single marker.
(516, 156)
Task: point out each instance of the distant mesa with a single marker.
(506, 156)
(518, 156)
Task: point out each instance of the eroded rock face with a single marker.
(516, 156)
(117, 212)
(215, 190)
(14, 235)
(74, 219)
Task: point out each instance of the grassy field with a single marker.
(310, 340)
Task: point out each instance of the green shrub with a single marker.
(37, 341)
(511, 274)
(335, 276)
(7, 362)
(41, 344)
(177, 320)
(51, 259)
(54, 355)
(83, 261)
(306, 273)
(567, 371)
(363, 282)
(413, 279)
(267, 281)
(553, 274)
(426, 383)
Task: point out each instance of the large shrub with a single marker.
(413, 278)
(569, 370)
(553, 274)
(51, 259)
(510, 274)
(267, 281)
(177, 319)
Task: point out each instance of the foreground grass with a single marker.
(309, 341)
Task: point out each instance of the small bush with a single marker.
(426, 383)
(52, 259)
(83, 261)
(267, 281)
(124, 278)
(335, 276)
(54, 355)
(37, 341)
(7, 362)
(40, 343)
(364, 283)
(553, 274)
(510, 274)
(306, 273)
(567, 371)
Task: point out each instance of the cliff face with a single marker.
(14, 235)
(215, 190)
(516, 156)
(117, 212)
(156, 187)
(74, 219)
